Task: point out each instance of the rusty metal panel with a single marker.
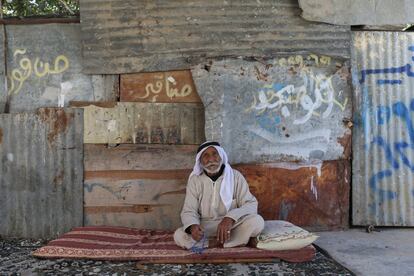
(160, 87)
(134, 36)
(152, 123)
(41, 163)
(287, 109)
(383, 136)
(313, 194)
(136, 185)
(44, 68)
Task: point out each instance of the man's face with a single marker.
(211, 160)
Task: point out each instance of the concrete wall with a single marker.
(44, 68)
(287, 109)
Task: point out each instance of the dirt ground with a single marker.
(16, 259)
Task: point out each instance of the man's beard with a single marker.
(211, 167)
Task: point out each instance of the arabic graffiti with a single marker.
(391, 70)
(277, 96)
(396, 154)
(300, 60)
(40, 69)
(167, 82)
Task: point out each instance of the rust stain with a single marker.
(141, 174)
(98, 104)
(133, 208)
(58, 178)
(259, 75)
(57, 119)
(346, 142)
(1, 135)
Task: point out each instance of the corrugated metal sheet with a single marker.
(3, 95)
(145, 35)
(383, 137)
(314, 194)
(153, 123)
(160, 87)
(287, 109)
(41, 163)
(44, 69)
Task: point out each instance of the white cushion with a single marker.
(283, 235)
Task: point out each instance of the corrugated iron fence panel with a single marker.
(41, 159)
(3, 94)
(145, 35)
(286, 109)
(44, 68)
(383, 136)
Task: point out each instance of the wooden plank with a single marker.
(140, 203)
(153, 123)
(160, 87)
(138, 157)
(141, 174)
(315, 196)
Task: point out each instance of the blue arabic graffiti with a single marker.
(395, 153)
(392, 70)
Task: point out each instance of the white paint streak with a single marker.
(317, 164)
(61, 100)
(269, 136)
(112, 125)
(285, 111)
(297, 151)
(10, 157)
(314, 189)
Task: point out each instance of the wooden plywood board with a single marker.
(138, 157)
(136, 185)
(161, 87)
(152, 123)
(141, 203)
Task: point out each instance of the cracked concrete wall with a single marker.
(357, 12)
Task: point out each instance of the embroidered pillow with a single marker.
(283, 235)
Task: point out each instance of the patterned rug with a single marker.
(120, 243)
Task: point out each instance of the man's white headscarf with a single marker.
(227, 186)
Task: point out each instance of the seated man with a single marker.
(218, 204)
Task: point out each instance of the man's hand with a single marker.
(224, 229)
(196, 232)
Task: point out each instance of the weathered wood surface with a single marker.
(136, 185)
(139, 157)
(161, 87)
(144, 186)
(140, 203)
(152, 123)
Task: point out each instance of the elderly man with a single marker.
(218, 208)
